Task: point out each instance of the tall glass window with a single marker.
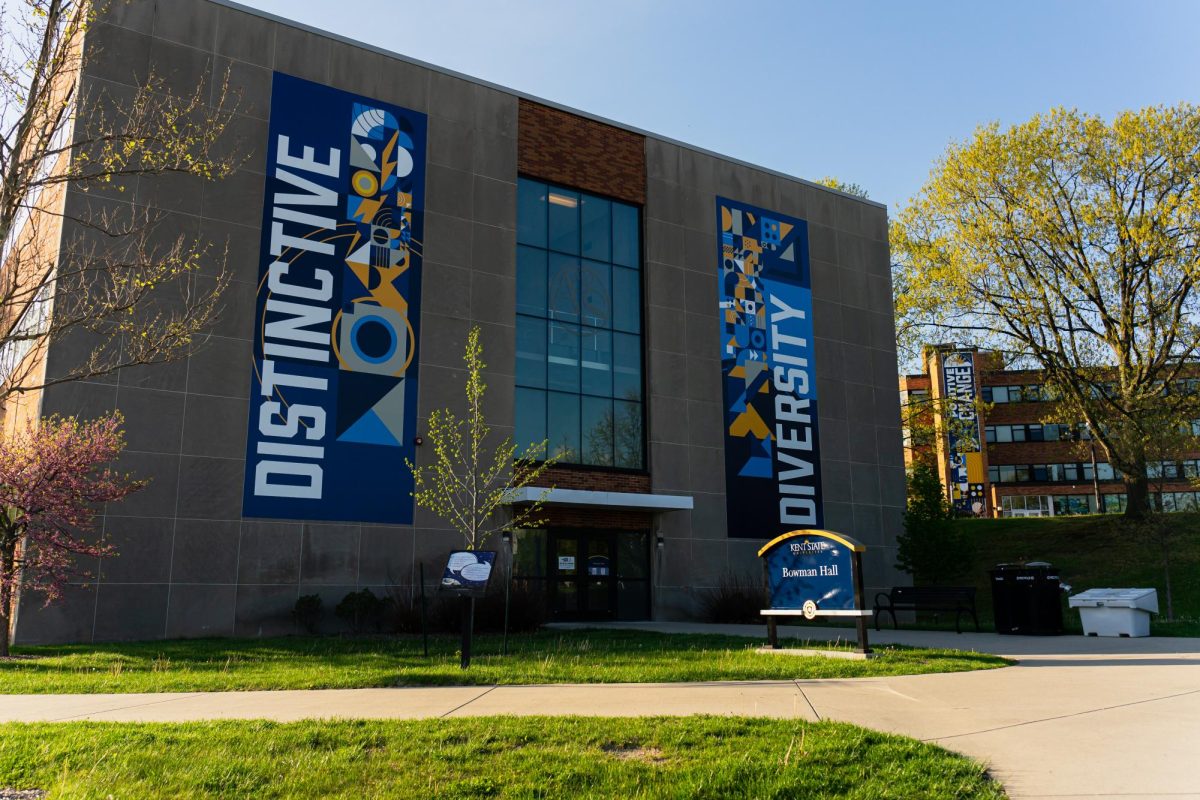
(579, 318)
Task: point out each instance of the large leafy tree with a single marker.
(93, 266)
(1070, 244)
(52, 478)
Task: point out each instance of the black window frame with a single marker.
(644, 399)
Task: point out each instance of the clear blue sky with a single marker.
(868, 91)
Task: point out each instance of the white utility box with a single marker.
(1116, 612)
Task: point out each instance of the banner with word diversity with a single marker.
(963, 442)
(772, 458)
(333, 393)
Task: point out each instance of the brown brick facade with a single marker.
(595, 480)
(581, 153)
(1041, 453)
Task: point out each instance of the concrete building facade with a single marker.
(649, 507)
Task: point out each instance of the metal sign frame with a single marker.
(810, 609)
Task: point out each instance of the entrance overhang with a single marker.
(581, 498)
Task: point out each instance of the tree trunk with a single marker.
(1137, 496)
(8, 560)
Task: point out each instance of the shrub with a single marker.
(307, 611)
(527, 608)
(360, 609)
(736, 599)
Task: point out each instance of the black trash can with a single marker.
(1027, 599)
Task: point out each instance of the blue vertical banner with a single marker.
(772, 457)
(333, 391)
(964, 445)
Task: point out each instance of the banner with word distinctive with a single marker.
(772, 460)
(334, 388)
(964, 446)
(811, 567)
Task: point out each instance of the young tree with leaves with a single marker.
(932, 548)
(78, 260)
(52, 476)
(1072, 244)
(472, 478)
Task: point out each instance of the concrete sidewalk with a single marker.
(1121, 720)
(1057, 648)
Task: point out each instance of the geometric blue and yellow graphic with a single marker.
(772, 483)
(334, 380)
(964, 447)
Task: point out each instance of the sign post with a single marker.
(467, 574)
(814, 573)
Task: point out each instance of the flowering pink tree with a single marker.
(52, 476)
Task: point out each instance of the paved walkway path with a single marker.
(1076, 718)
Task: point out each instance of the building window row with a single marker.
(579, 324)
(1051, 473)
(1061, 505)
(1036, 432)
(1028, 393)
(1188, 468)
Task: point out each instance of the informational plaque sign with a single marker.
(467, 572)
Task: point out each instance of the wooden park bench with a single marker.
(959, 599)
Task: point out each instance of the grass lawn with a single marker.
(1092, 552)
(526, 757)
(582, 656)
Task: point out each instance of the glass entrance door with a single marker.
(597, 575)
(582, 575)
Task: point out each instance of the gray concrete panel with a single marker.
(83, 399)
(387, 556)
(201, 610)
(221, 367)
(329, 555)
(117, 54)
(142, 550)
(245, 37)
(269, 552)
(157, 498)
(206, 551)
(302, 53)
(70, 619)
(130, 611)
(153, 419)
(215, 426)
(265, 610)
(210, 488)
(245, 88)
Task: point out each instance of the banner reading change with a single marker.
(334, 387)
(772, 459)
(964, 447)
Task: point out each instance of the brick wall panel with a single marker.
(575, 151)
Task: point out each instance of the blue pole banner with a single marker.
(772, 457)
(811, 567)
(333, 391)
(964, 445)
